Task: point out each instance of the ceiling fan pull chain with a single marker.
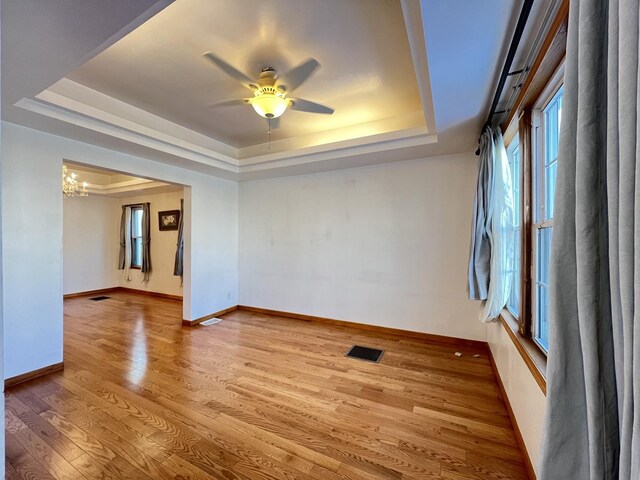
(269, 132)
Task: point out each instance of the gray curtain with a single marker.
(480, 253)
(123, 239)
(592, 424)
(146, 242)
(179, 260)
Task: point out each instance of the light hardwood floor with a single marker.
(253, 397)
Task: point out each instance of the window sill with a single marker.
(535, 360)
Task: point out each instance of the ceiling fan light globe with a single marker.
(269, 106)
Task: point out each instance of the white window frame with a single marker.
(538, 190)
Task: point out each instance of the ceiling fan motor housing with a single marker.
(269, 101)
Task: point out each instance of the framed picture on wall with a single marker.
(168, 220)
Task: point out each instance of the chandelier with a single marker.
(71, 187)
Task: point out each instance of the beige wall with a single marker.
(384, 245)
(525, 396)
(90, 243)
(91, 235)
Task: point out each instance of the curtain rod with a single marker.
(513, 48)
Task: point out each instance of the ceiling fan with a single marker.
(270, 91)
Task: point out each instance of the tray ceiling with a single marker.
(407, 78)
(366, 71)
(107, 183)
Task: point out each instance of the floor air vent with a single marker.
(365, 353)
(101, 297)
(211, 321)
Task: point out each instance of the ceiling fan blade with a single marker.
(231, 103)
(298, 75)
(307, 106)
(231, 71)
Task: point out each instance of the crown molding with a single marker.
(91, 103)
(66, 116)
(150, 131)
(376, 143)
(412, 13)
(150, 189)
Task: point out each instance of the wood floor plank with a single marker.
(253, 397)
(26, 465)
(48, 458)
(66, 448)
(91, 468)
(10, 472)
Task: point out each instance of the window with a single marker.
(136, 237)
(513, 154)
(532, 130)
(533, 164)
(546, 131)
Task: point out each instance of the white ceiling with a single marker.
(408, 78)
(366, 71)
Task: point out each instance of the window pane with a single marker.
(546, 169)
(552, 117)
(551, 133)
(513, 304)
(550, 174)
(136, 237)
(136, 252)
(139, 251)
(544, 238)
(542, 334)
(136, 222)
(513, 152)
(544, 251)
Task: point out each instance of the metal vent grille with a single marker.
(365, 353)
(211, 321)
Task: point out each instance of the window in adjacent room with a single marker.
(513, 154)
(546, 131)
(136, 237)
